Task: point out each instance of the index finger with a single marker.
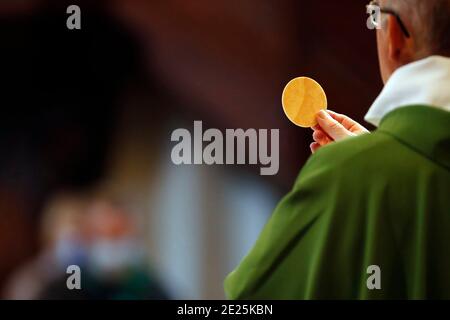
(347, 122)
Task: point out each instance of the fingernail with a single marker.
(322, 114)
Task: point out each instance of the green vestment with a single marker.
(379, 199)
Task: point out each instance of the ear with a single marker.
(396, 38)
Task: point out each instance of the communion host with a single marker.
(369, 214)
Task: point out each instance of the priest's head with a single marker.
(411, 30)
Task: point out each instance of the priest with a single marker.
(369, 214)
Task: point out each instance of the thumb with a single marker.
(332, 127)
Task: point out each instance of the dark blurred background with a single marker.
(85, 123)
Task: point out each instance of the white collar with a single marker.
(425, 82)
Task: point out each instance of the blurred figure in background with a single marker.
(63, 237)
(101, 238)
(117, 262)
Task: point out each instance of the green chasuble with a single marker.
(380, 199)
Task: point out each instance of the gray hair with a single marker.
(429, 23)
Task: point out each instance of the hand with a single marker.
(333, 126)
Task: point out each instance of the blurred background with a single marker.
(85, 121)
